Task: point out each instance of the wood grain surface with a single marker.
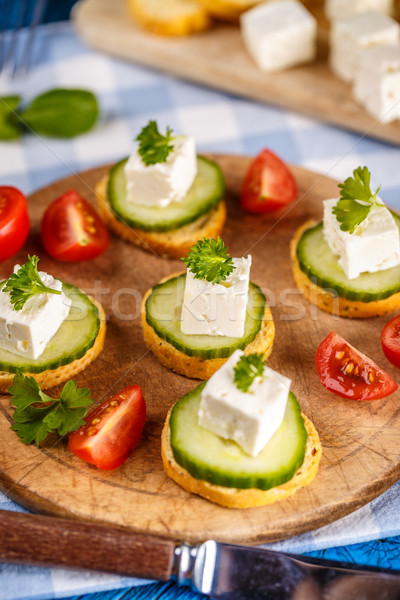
(218, 58)
(361, 454)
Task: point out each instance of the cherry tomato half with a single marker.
(71, 229)
(14, 221)
(268, 184)
(349, 373)
(112, 430)
(391, 341)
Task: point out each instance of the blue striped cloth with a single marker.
(131, 95)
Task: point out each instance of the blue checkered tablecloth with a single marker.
(130, 95)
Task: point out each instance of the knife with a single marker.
(218, 570)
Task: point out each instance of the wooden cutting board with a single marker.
(361, 453)
(218, 58)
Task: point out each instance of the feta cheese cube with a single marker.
(248, 418)
(220, 308)
(374, 246)
(342, 9)
(279, 34)
(377, 82)
(27, 332)
(348, 36)
(162, 183)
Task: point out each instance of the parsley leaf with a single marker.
(209, 259)
(356, 200)
(25, 283)
(36, 414)
(247, 369)
(153, 146)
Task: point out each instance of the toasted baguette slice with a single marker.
(170, 17)
(50, 378)
(193, 366)
(243, 498)
(336, 305)
(175, 243)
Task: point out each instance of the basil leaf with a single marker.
(9, 128)
(61, 113)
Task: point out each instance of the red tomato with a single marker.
(391, 341)
(268, 184)
(349, 373)
(112, 430)
(14, 221)
(71, 229)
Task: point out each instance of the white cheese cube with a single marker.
(348, 36)
(279, 34)
(27, 332)
(374, 245)
(377, 82)
(220, 308)
(248, 418)
(342, 9)
(164, 182)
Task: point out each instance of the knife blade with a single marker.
(225, 571)
(219, 570)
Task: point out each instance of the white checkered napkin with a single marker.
(129, 96)
(377, 520)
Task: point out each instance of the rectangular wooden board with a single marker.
(218, 58)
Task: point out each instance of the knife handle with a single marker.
(49, 541)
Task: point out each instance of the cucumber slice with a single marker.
(74, 338)
(320, 264)
(163, 314)
(207, 456)
(204, 195)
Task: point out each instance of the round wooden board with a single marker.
(361, 454)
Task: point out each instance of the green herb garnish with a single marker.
(247, 369)
(25, 283)
(37, 414)
(59, 113)
(153, 146)
(356, 200)
(209, 259)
